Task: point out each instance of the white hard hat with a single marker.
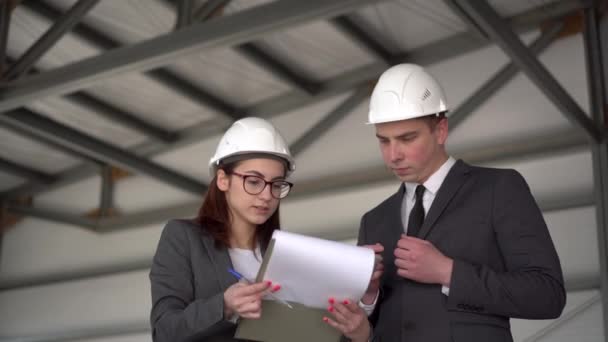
(251, 136)
(405, 91)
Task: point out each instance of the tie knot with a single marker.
(419, 191)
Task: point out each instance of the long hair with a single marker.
(214, 216)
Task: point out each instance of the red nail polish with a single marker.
(332, 300)
(276, 288)
(330, 309)
(346, 302)
(325, 319)
(269, 283)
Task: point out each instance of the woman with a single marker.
(194, 296)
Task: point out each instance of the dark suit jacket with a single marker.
(505, 264)
(188, 277)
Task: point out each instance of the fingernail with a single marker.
(332, 300)
(346, 302)
(325, 319)
(269, 283)
(276, 288)
(330, 309)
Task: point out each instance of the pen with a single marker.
(239, 276)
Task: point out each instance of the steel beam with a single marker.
(27, 133)
(5, 23)
(557, 143)
(50, 37)
(228, 31)
(329, 121)
(81, 29)
(25, 172)
(352, 28)
(52, 216)
(184, 13)
(209, 9)
(500, 79)
(444, 49)
(476, 31)
(164, 77)
(117, 115)
(194, 93)
(106, 201)
(509, 42)
(596, 74)
(279, 69)
(97, 149)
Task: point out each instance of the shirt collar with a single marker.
(434, 182)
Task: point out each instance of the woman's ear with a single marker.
(223, 180)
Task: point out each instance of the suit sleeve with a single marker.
(176, 315)
(532, 286)
(363, 240)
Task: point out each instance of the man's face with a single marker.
(413, 149)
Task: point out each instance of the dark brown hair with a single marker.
(433, 120)
(214, 215)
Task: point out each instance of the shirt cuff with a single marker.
(369, 308)
(445, 290)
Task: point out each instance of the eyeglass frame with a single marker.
(266, 183)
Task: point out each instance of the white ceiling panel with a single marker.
(519, 110)
(9, 181)
(79, 118)
(151, 101)
(584, 326)
(230, 76)
(408, 24)
(318, 49)
(507, 8)
(192, 160)
(128, 21)
(141, 192)
(36, 249)
(27, 27)
(28, 152)
(78, 198)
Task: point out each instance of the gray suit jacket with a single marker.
(188, 277)
(505, 264)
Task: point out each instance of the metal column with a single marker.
(596, 76)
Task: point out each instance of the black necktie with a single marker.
(417, 214)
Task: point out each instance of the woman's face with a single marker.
(248, 209)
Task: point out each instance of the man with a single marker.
(464, 248)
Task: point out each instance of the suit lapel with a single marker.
(394, 213)
(453, 181)
(220, 260)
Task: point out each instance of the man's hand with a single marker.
(374, 285)
(420, 261)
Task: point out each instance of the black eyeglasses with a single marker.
(254, 185)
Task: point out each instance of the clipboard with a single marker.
(280, 323)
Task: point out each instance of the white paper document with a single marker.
(311, 270)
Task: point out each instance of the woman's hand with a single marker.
(374, 285)
(349, 319)
(244, 299)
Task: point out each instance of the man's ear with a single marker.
(223, 180)
(442, 131)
